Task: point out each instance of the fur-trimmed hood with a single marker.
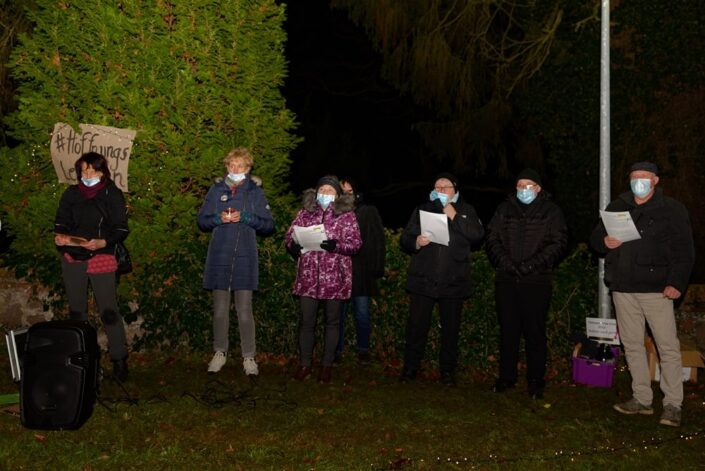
(342, 204)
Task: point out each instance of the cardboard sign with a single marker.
(67, 146)
(602, 330)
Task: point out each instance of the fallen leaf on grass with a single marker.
(40, 438)
(321, 411)
(547, 406)
(230, 448)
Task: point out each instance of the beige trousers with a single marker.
(633, 310)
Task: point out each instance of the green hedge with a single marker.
(179, 311)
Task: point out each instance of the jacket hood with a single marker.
(342, 204)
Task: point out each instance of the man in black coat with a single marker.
(526, 239)
(439, 274)
(645, 276)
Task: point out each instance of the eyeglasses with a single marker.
(441, 188)
(530, 186)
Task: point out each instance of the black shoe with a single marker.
(364, 358)
(407, 375)
(120, 370)
(447, 378)
(536, 389)
(501, 385)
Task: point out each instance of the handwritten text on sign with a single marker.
(67, 146)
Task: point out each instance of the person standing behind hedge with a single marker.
(235, 210)
(439, 274)
(526, 239)
(324, 275)
(367, 267)
(90, 220)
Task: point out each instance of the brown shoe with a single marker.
(302, 373)
(325, 375)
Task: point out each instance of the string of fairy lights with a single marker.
(572, 456)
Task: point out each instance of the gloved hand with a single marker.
(245, 217)
(525, 269)
(294, 249)
(329, 245)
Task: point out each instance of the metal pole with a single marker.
(605, 305)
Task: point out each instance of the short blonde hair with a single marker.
(239, 153)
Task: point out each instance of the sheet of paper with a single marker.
(310, 237)
(435, 227)
(74, 241)
(619, 225)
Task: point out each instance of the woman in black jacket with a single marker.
(90, 220)
(526, 239)
(439, 274)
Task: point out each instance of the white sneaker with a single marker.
(250, 366)
(217, 362)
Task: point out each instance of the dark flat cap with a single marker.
(645, 166)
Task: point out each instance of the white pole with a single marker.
(605, 306)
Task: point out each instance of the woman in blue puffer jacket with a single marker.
(235, 210)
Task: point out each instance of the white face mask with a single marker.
(236, 177)
(324, 200)
(90, 181)
(640, 186)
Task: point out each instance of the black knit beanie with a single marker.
(332, 181)
(448, 176)
(529, 174)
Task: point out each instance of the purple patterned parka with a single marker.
(327, 275)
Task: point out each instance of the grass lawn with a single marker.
(173, 415)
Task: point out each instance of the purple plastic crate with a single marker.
(595, 373)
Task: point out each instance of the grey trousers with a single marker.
(633, 310)
(103, 284)
(245, 321)
(307, 326)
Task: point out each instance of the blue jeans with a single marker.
(361, 311)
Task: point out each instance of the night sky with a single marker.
(354, 123)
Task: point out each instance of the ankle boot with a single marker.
(120, 369)
(326, 374)
(302, 373)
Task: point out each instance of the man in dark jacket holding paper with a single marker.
(645, 276)
(439, 274)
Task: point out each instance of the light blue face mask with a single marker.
(640, 187)
(434, 195)
(236, 177)
(90, 181)
(526, 195)
(324, 200)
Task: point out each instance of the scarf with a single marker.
(89, 192)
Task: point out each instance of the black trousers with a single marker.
(419, 323)
(522, 310)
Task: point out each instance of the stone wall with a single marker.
(21, 303)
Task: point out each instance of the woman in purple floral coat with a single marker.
(324, 274)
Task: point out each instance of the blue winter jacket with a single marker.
(232, 252)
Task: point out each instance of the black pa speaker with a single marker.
(59, 375)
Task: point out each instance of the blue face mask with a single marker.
(640, 187)
(526, 195)
(90, 181)
(324, 200)
(434, 195)
(236, 177)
